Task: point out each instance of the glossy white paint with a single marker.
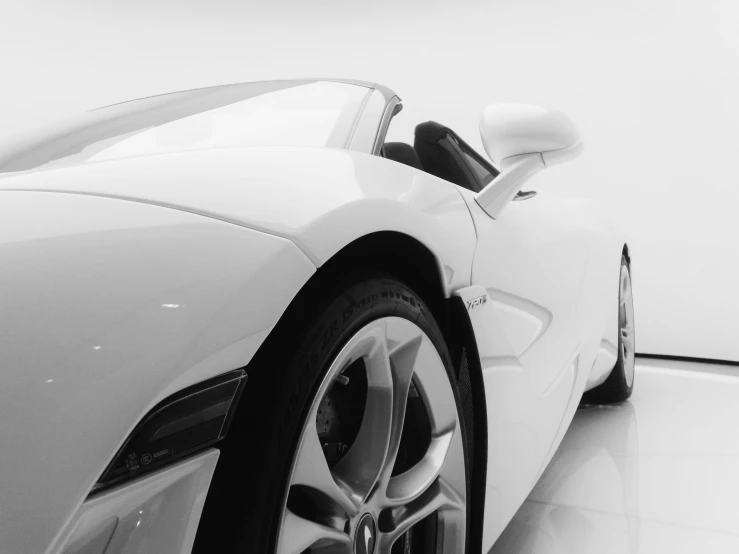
(523, 139)
(515, 172)
(607, 358)
(136, 295)
(510, 130)
(157, 513)
(109, 307)
(548, 268)
(655, 474)
(321, 199)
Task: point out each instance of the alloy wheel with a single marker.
(379, 466)
(626, 325)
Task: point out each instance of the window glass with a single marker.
(273, 113)
(480, 170)
(363, 139)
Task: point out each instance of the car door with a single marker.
(531, 262)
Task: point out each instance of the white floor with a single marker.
(659, 473)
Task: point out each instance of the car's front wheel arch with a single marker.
(348, 266)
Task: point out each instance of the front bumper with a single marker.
(157, 513)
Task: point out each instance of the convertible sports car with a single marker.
(236, 319)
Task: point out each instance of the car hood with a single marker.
(299, 193)
(272, 189)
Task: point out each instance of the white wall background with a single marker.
(653, 85)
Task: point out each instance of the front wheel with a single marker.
(371, 454)
(620, 382)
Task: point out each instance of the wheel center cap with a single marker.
(366, 535)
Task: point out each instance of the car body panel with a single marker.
(129, 279)
(540, 278)
(116, 271)
(156, 513)
(321, 199)
(108, 308)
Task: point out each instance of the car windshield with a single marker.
(270, 113)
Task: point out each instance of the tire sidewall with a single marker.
(621, 363)
(614, 389)
(346, 313)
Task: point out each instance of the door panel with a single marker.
(532, 265)
(529, 266)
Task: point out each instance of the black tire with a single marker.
(278, 396)
(616, 388)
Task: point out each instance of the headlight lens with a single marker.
(182, 424)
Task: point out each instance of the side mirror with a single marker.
(523, 139)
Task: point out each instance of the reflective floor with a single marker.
(659, 473)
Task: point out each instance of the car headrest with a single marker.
(402, 153)
(431, 132)
(440, 154)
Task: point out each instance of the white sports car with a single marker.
(235, 319)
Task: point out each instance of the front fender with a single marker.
(108, 307)
(319, 198)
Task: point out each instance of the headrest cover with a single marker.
(430, 131)
(402, 153)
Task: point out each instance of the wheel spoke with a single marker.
(298, 534)
(627, 339)
(442, 414)
(433, 386)
(408, 486)
(625, 287)
(312, 471)
(324, 500)
(403, 359)
(625, 295)
(361, 466)
(396, 521)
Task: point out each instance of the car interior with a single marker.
(441, 152)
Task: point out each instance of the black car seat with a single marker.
(402, 153)
(440, 155)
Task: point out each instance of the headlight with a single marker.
(184, 423)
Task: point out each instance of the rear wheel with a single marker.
(620, 382)
(366, 451)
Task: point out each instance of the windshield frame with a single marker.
(64, 144)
